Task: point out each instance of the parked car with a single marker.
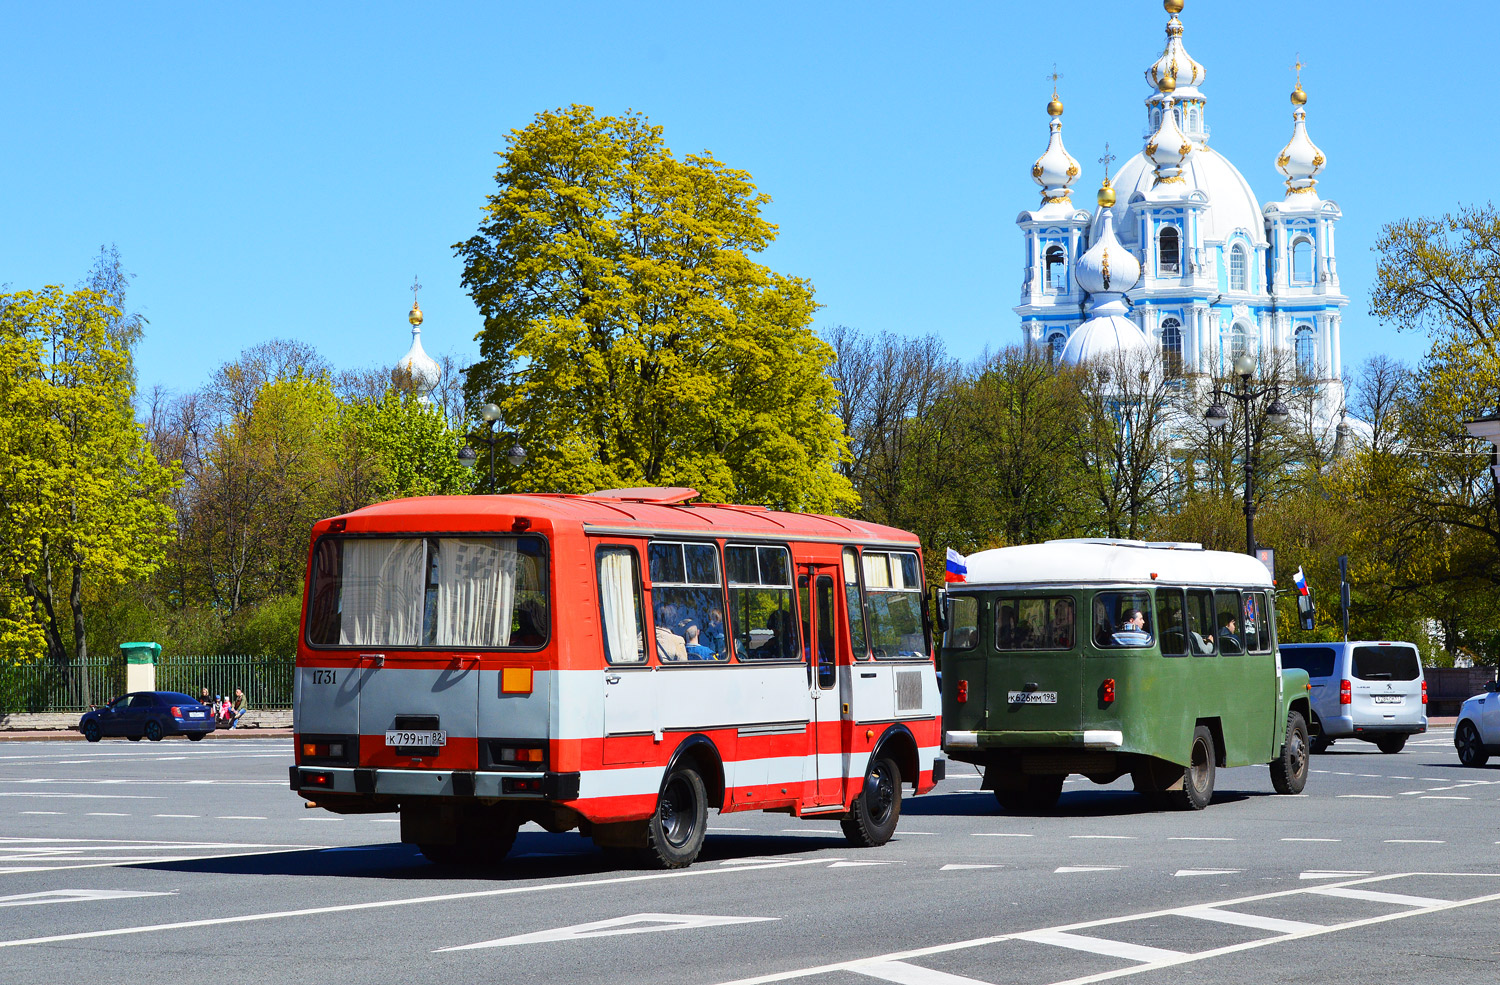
(1476, 735)
(1365, 689)
(148, 714)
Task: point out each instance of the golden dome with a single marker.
(1106, 194)
(1299, 98)
(1055, 107)
(415, 315)
(1168, 83)
(1172, 6)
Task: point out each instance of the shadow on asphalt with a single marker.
(536, 855)
(1073, 803)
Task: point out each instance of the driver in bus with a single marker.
(1229, 634)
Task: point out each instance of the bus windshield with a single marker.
(488, 592)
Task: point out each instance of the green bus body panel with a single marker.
(1158, 700)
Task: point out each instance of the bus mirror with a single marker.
(1305, 611)
(943, 615)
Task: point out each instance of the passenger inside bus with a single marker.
(1061, 634)
(1121, 619)
(1229, 639)
(695, 650)
(783, 641)
(670, 647)
(1009, 637)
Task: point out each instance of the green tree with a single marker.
(401, 447)
(82, 497)
(629, 334)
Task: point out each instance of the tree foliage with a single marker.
(631, 337)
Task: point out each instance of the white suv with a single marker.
(1367, 689)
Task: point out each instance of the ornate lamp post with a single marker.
(1216, 418)
(492, 434)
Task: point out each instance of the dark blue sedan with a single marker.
(150, 715)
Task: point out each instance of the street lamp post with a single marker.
(468, 457)
(1217, 417)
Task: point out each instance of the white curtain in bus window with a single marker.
(620, 598)
(1123, 619)
(893, 592)
(688, 602)
(476, 591)
(381, 593)
(762, 615)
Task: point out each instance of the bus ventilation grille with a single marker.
(908, 690)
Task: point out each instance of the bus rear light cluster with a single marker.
(316, 779)
(1424, 692)
(522, 754)
(963, 692)
(1346, 693)
(322, 750)
(1108, 691)
(522, 785)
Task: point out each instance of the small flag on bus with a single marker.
(957, 568)
(1300, 580)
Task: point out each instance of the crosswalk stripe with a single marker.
(1098, 945)
(1376, 897)
(1252, 920)
(909, 974)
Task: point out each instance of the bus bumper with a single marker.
(1089, 739)
(436, 783)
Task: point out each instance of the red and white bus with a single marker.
(618, 662)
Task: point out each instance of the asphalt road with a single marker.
(172, 862)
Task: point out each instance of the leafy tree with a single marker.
(630, 336)
(409, 448)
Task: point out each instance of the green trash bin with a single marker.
(140, 665)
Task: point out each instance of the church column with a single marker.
(1335, 325)
(1325, 354)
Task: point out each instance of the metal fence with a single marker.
(50, 687)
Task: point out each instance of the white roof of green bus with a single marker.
(1113, 562)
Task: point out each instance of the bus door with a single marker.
(630, 721)
(827, 655)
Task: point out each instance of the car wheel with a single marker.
(1470, 749)
(877, 808)
(1289, 770)
(675, 833)
(153, 731)
(1038, 796)
(133, 738)
(1198, 777)
(195, 736)
(91, 730)
(1391, 744)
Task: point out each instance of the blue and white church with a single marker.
(1211, 272)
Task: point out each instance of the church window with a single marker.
(1239, 272)
(1156, 119)
(1056, 268)
(1168, 251)
(1241, 341)
(1055, 344)
(1171, 347)
(1177, 116)
(1302, 261)
(1305, 343)
(1192, 119)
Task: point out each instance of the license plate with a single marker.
(1387, 699)
(404, 738)
(1033, 697)
(196, 714)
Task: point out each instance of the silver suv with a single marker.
(1367, 689)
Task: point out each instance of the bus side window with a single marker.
(620, 605)
(855, 603)
(1200, 611)
(1171, 619)
(762, 617)
(963, 623)
(1257, 633)
(1227, 615)
(687, 600)
(825, 641)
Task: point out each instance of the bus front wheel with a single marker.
(1198, 778)
(877, 808)
(1289, 770)
(674, 834)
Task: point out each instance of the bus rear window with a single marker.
(1385, 663)
(1034, 624)
(963, 623)
(1316, 660)
(437, 592)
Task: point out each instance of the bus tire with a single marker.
(1037, 796)
(674, 834)
(489, 844)
(1391, 744)
(1289, 770)
(876, 809)
(1198, 776)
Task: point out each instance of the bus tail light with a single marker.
(1109, 691)
(316, 779)
(322, 750)
(1346, 693)
(506, 754)
(515, 680)
(963, 692)
(1424, 692)
(518, 784)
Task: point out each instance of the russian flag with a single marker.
(1300, 581)
(957, 568)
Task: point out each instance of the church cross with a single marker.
(1106, 159)
(1298, 69)
(415, 287)
(1056, 77)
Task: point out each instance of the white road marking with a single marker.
(1196, 838)
(1087, 868)
(176, 815)
(385, 904)
(1252, 920)
(955, 866)
(847, 865)
(1371, 775)
(239, 817)
(75, 796)
(1444, 797)
(1414, 841)
(1098, 945)
(72, 896)
(1206, 872)
(1312, 839)
(1105, 837)
(105, 814)
(998, 834)
(1331, 873)
(1365, 796)
(1375, 897)
(639, 923)
(909, 974)
(58, 813)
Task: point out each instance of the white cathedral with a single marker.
(1189, 266)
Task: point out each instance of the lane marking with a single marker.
(1414, 841)
(1105, 837)
(105, 814)
(176, 815)
(1196, 838)
(1365, 796)
(239, 817)
(1252, 920)
(76, 796)
(1447, 797)
(1372, 896)
(639, 923)
(1331, 874)
(1312, 839)
(909, 974)
(1206, 872)
(998, 834)
(849, 865)
(57, 813)
(1098, 945)
(72, 896)
(385, 904)
(956, 866)
(1087, 868)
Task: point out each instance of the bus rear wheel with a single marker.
(877, 808)
(1289, 770)
(1037, 795)
(674, 834)
(1198, 777)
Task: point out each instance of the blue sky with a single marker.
(284, 170)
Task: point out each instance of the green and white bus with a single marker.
(1116, 657)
